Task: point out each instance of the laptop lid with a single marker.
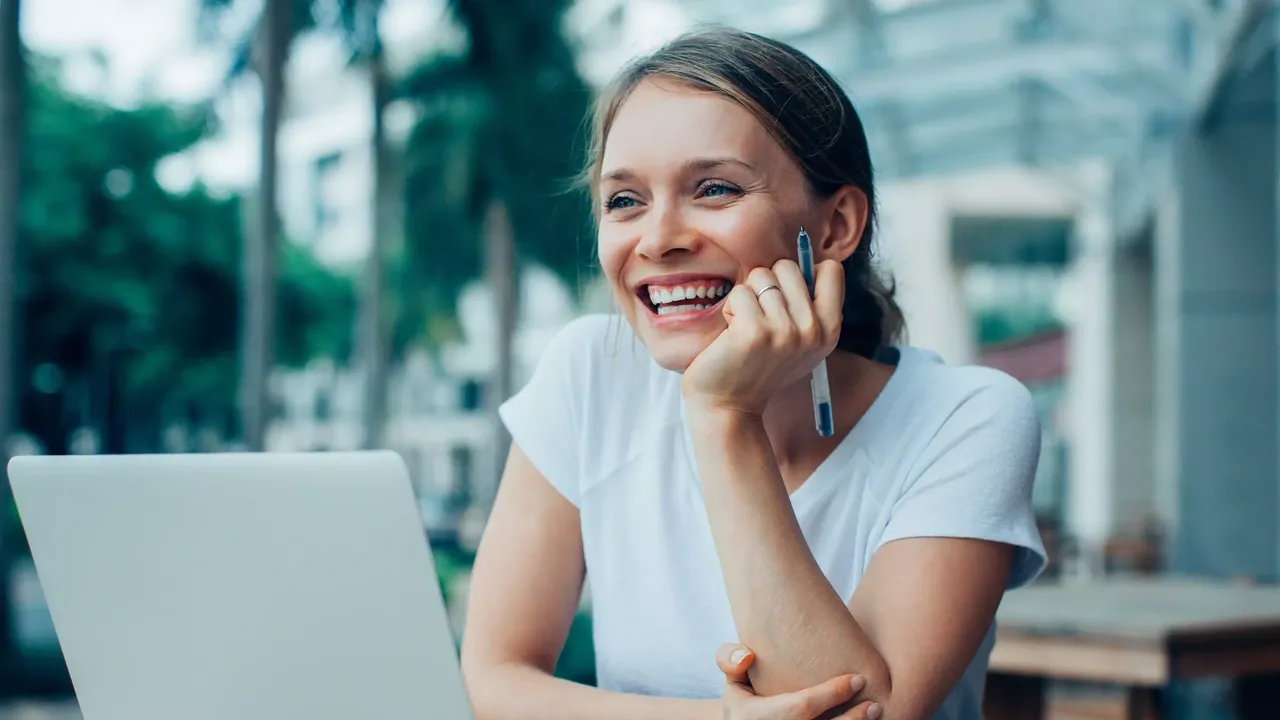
(246, 586)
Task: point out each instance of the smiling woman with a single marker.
(855, 574)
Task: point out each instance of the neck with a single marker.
(789, 422)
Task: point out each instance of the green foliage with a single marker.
(118, 276)
(500, 119)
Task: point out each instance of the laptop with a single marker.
(241, 586)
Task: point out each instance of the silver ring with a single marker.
(766, 289)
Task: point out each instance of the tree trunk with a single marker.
(500, 260)
(373, 323)
(261, 246)
(12, 117)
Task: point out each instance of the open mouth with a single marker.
(665, 300)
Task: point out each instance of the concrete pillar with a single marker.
(915, 223)
(1133, 387)
(1090, 385)
(1217, 394)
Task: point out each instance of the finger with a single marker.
(863, 711)
(799, 301)
(741, 305)
(768, 292)
(813, 702)
(828, 298)
(734, 660)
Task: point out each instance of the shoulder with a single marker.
(972, 460)
(584, 336)
(607, 371)
(589, 382)
(968, 399)
(597, 348)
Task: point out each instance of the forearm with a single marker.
(783, 606)
(522, 692)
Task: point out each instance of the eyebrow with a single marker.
(624, 174)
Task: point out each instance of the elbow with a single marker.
(475, 679)
(482, 678)
(490, 682)
(879, 685)
(904, 703)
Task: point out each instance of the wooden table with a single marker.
(1140, 633)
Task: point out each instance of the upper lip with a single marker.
(680, 279)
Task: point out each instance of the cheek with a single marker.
(755, 236)
(612, 251)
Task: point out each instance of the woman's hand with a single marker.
(741, 703)
(776, 336)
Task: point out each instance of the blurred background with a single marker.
(300, 225)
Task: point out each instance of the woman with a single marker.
(683, 475)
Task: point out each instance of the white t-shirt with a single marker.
(943, 452)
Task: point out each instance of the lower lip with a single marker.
(681, 318)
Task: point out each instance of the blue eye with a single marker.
(713, 189)
(619, 202)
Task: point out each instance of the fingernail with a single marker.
(738, 656)
(857, 683)
(874, 712)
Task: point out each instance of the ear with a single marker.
(846, 214)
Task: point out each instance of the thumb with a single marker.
(734, 660)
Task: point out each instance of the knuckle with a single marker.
(759, 274)
(810, 332)
(757, 340)
(786, 336)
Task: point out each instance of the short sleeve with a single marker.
(545, 417)
(975, 476)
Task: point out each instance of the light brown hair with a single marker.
(808, 113)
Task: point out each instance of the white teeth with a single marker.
(673, 309)
(659, 297)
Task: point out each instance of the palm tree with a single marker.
(358, 23)
(13, 96)
(266, 52)
(12, 116)
(488, 164)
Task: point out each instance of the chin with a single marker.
(675, 354)
(676, 340)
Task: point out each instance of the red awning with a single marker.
(1033, 360)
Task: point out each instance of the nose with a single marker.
(667, 234)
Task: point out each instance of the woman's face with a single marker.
(695, 193)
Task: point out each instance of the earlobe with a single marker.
(847, 214)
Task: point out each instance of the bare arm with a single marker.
(524, 593)
(914, 624)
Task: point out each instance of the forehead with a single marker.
(663, 121)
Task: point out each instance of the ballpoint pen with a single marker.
(818, 384)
